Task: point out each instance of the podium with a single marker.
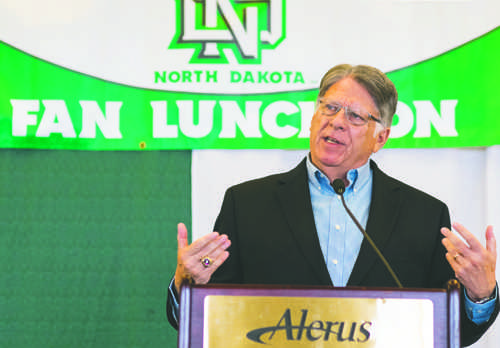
(222, 316)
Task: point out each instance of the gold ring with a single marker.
(206, 261)
(455, 257)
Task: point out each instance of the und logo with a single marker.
(223, 31)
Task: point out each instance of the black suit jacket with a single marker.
(271, 226)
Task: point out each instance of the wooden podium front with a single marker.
(223, 316)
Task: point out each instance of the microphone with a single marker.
(339, 188)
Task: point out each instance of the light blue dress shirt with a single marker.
(339, 237)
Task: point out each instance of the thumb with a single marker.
(182, 233)
(491, 243)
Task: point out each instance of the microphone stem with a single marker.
(368, 238)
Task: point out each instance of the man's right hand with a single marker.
(199, 260)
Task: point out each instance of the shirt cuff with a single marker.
(480, 313)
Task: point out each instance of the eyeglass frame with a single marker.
(348, 111)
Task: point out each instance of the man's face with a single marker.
(338, 146)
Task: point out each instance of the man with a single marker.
(292, 229)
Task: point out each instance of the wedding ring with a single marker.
(455, 257)
(206, 261)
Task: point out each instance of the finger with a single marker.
(204, 276)
(450, 248)
(215, 248)
(453, 253)
(454, 257)
(182, 233)
(220, 248)
(192, 258)
(459, 264)
(201, 243)
(220, 260)
(448, 245)
(473, 242)
(452, 261)
(491, 242)
(450, 240)
(216, 259)
(213, 253)
(455, 241)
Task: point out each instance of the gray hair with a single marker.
(376, 83)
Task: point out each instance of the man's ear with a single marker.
(381, 139)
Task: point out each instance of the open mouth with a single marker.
(331, 140)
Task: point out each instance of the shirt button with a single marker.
(337, 227)
(335, 261)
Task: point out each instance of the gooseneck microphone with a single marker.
(339, 188)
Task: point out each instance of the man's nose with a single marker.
(339, 120)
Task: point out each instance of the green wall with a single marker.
(88, 246)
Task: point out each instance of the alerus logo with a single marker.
(340, 331)
(225, 30)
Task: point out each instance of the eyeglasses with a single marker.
(356, 118)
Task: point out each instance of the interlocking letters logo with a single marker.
(226, 31)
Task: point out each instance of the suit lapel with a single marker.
(384, 210)
(294, 197)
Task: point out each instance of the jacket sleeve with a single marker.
(173, 305)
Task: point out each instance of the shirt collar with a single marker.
(357, 177)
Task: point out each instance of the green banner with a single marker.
(447, 101)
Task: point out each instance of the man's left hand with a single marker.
(474, 265)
